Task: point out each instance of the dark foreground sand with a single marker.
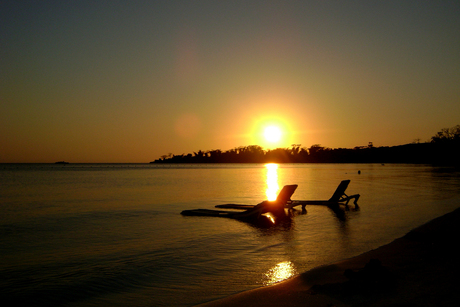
(419, 269)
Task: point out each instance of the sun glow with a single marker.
(273, 134)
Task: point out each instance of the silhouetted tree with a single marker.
(278, 155)
(314, 149)
(447, 134)
(215, 155)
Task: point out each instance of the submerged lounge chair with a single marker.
(251, 212)
(337, 198)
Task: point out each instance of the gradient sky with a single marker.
(129, 81)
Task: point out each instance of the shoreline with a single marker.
(420, 268)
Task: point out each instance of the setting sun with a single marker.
(272, 134)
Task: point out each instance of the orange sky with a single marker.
(130, 81)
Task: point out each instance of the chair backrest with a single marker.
(286, 193)
(276, 206)
(340, 190)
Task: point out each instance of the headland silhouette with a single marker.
(442, 149)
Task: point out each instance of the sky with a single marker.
(130, 81)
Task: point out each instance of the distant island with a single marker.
(442, 149)
(61, 162)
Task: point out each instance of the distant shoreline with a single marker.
(165, 164)
(416, 153)
(414, 270)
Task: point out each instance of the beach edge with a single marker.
(415, 269)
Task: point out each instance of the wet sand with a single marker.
(419, 269)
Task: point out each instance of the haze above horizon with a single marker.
(116, 81)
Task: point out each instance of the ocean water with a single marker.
(112, 234)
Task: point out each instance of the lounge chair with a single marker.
(251, 212)
(283, 196)
(337, 198)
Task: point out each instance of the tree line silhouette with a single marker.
(443, 148)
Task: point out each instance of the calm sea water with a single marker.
(112, 234)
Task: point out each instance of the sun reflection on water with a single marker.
(279, 272)
(272, 181)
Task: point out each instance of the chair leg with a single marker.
(356, 200)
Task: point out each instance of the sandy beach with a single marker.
(418, 269)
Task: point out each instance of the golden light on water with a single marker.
(280, 272)
(272, 181)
